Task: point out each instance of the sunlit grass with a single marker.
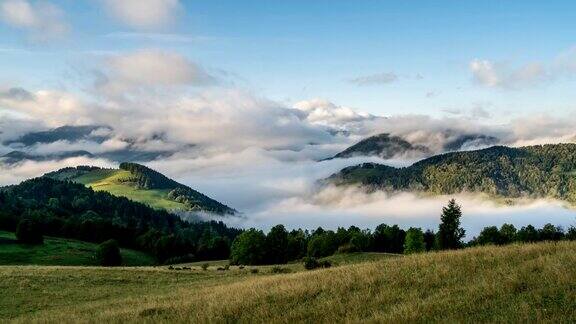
(518, 283)
(117, 182)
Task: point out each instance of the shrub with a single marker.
(108, 254)
(280, 270)
(325, 264)
(348, 248)
(254, 271)
(181, 259)
(311, 263)
(227, 267)
(29, 232)
(205, 266)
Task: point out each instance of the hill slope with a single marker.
(141, 184)
(56, 251)
(71, 210)
(518, 283)
(536, 171)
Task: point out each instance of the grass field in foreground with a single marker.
(518, 283)
(57, 251)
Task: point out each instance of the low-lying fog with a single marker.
(270, 192)
(281, 187)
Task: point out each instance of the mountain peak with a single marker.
(140, 183)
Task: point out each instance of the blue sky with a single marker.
(295, 50)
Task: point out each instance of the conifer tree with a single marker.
(450, 234)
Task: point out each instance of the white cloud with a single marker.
(326, 113)
(52, 108)
(375, 79)
(149, 68)
(507, 76)
(494, 75)
(144, 14)
(42, 20)
(157, 37)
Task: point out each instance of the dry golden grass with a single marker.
(520, 283)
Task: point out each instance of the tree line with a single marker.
(44, 206)
(278, 246)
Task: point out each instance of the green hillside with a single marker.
(56, 251)
(547, 171)
(141, 184)
(516, 283)
(71, 210)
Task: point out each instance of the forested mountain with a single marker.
(535, 171)
(385, 146)
(71, 210)
(145, 185)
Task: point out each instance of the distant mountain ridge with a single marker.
(142, 184)
(384, 146)
(388, 146)
(547, 171)
(24, 147)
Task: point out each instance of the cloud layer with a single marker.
(507, 76)
(144, 14)
(42, 20)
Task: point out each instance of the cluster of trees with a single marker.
(64, 209)
(44, 206)
(146, 178)
(537, 171)
(507, 234)
(280, 246)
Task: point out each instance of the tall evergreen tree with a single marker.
(450, 234)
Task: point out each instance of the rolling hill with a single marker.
(142, 184)
(547, 171)
(511, 284)
(60, 252)
(71, 210)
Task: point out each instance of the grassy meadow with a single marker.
(58, 251)
(516, 283)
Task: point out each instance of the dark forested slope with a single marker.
(66, 209)
(535, 171)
